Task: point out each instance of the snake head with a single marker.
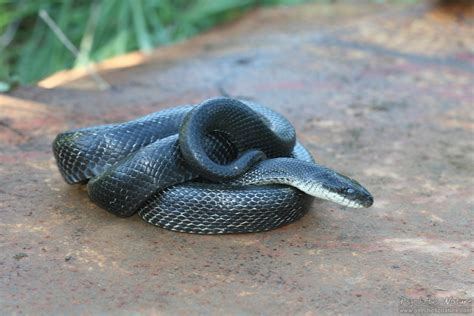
(342, 190)
(311, 178)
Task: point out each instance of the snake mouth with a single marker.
(365, 203)
(363, 200)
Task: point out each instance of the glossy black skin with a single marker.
(248, 131)
(132, 164)
(128, 162)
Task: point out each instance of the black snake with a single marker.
(223, 166)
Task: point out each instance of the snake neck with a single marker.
(312, 179)
(252, 134)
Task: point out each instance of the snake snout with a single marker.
(347, 191)
(357, 196)
(368, 201)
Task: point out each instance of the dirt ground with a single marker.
(383, 93)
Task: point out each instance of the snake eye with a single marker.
(350, 191)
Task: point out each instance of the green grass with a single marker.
(30, 51)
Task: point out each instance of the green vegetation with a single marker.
(29, 49)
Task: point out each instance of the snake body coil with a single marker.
(218, 167)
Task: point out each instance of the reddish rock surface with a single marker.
(381, 93)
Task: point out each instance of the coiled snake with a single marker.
(223, 166)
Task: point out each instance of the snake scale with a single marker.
(222, 166)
